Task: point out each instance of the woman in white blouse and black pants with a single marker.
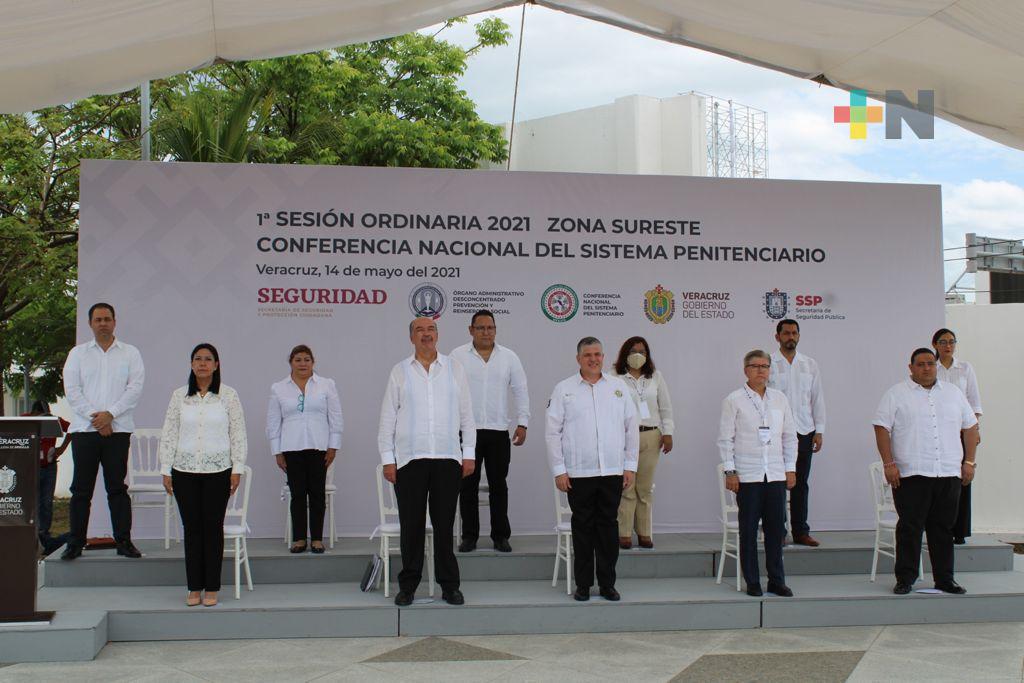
(959, 372)
(304, 427)
(202, 457)
(649, 390)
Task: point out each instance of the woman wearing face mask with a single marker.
(202, 457)
(304, 429)
(960, 373)
(650, 394)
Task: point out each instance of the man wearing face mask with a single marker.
(649, 391)
(593, 443)
(493, 372)
(797, 376)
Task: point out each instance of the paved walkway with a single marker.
(938, 652)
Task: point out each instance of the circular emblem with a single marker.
(8, 480)
(427, 300)
(559, 303)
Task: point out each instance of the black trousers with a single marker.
(800, 492)
(493, 451)
(925, 504)
(307, 479)
(764, 502)
(202, 502)
(595, 528)
(90, 450)
(427, 483)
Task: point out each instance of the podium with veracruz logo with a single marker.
(19, 491)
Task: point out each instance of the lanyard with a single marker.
(637, 386)
(760, 409)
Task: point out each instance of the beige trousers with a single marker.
(635, 506)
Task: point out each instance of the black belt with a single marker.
(646, 429)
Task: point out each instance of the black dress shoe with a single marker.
(902, 588)
(453, 597)
(754, 590)
(71, 552)
(404, 598)
(959, 540)
(951, 587)
(466, 546)
(128, 549)
(502, 546)
(610, 594)
(780, 589)
(581, 595)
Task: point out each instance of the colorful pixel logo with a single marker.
(898, 110)
(859, 114)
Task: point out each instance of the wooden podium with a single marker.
(19, 492)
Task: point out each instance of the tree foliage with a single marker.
(393, 102)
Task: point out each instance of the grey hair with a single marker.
(756, 353)
(587, 341)
(413, 322)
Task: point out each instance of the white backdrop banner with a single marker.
(257, 259)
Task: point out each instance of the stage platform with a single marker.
(101, 598)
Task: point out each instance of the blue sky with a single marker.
(571, 63)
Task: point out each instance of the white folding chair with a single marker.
(483, 500)
(145, 482)
(330, 490)
(885, 519)
(236, 529)
(563, 538)
(730, 527)
(389, 527)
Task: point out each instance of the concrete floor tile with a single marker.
(988, 635)
(690, 641)
(361, 673)
(87, 674)
(939, 665)
(529, 646)
(546, 672)
(471, 672)
(798, 639)
(768, 667)
(252, 673)
(170, 652)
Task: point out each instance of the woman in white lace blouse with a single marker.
(202, 457)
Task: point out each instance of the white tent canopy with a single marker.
(969, 52)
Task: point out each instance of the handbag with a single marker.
(372, 574)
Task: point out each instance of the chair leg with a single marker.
(568, 565)
(238, 578)
(738, 572)
(558, 558)
(167, 522)
(287, 520)
(721, 556)
(248, 569)
(330, 504)
(430, 561)
(874, 556)
(385, 554)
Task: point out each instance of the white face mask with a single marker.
(636, 360)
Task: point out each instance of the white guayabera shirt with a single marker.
(422, 413)
(203, 434)
(961, 373)
(739, 443)
(97, 381)
(489, 385)
(925, 425)
(800, 381)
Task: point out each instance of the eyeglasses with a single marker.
(482, 328)
(302, 403)
(946, 342)
(759, 366)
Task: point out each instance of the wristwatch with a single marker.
(730, 473)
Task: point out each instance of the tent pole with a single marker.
(515, 92)
(145, 154)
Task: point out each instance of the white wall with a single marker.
(989, 337)
(635, 134)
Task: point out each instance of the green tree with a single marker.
(40, 155)
(393, 102)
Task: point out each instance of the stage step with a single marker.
(510, 607)
(72, 636)
(676, 556)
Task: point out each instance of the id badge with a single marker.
(645, 411)
(765, 434)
